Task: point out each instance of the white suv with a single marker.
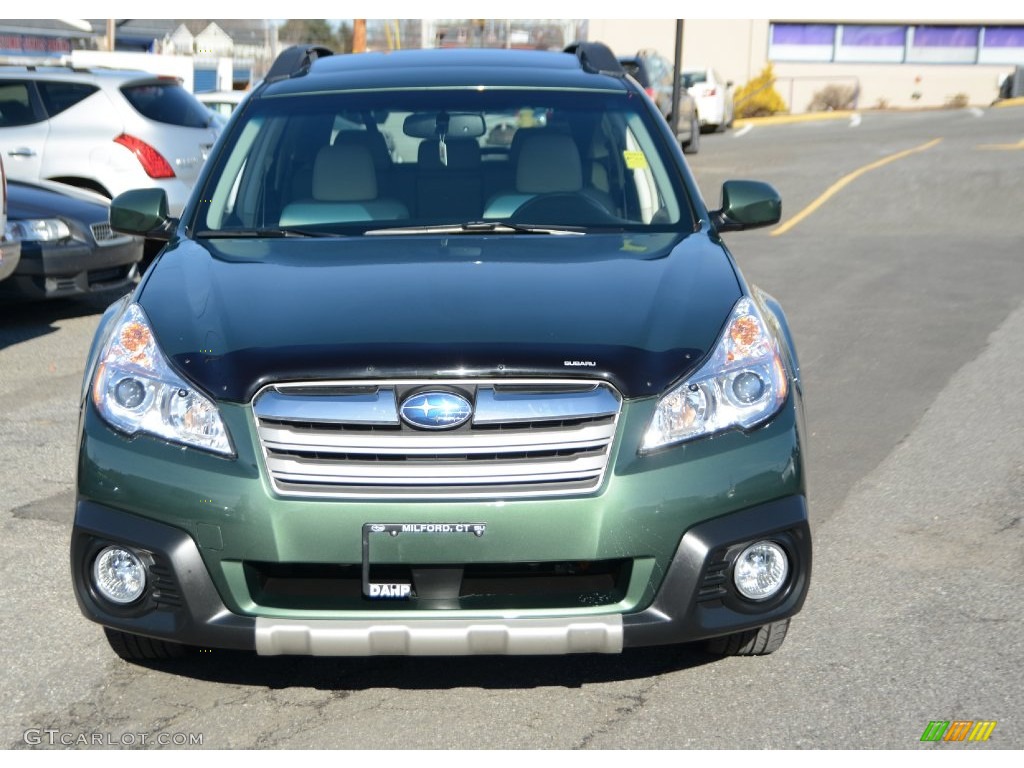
(104, 130)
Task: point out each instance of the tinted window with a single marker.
(60, 96)
(167, 102)
(15, 105)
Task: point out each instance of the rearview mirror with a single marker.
(432, 125)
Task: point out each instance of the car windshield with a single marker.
(331, 163)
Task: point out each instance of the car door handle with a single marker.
(22, 152)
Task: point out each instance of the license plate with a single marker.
(376, 590)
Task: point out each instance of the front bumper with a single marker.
(644, 560)
(694, 601)
(55, 270)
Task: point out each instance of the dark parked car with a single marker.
(656, 76)
(67, 245)
(436, 404)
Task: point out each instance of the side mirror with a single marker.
(747, 205)
(142, 212)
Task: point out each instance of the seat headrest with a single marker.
(344, 174)
(548, 162)
(373, 141)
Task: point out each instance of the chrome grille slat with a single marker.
(496, 407)
(527, 437)
(379, 407)
(448, 474)
(275, 437)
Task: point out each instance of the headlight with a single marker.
(38, 230)
(742, 384)
(135, 390)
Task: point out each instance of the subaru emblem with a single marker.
(436, 410)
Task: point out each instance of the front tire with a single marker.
(137, 648)
(753, 642)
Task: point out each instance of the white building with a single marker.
(898, 64)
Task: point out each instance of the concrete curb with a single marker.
(1014, 102)
(845, 114)
(804, 118)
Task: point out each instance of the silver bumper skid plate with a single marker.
(440, 637)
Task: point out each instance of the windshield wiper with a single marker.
(480, 228)
(210, 234)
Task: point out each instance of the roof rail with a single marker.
(296, 60)
(597, 58)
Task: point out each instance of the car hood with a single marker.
(32, 201)
(639, 311)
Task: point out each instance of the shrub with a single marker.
(758, 98)
(833, 97)
(959, 101)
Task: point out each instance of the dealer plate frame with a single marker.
(403, 590)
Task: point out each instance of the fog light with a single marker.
(119, 575)
(761, 570)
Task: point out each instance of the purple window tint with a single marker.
(946, 37)
(803, 34)
(874, 35)
(1004, 37)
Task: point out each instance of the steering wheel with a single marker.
(564, 208)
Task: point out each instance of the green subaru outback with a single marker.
(396, 387)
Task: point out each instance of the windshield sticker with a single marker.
(635, 159)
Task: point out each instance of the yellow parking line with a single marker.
(1018, 145)
(828, 193)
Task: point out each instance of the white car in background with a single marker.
(221, 103)
(104, 130)
(713, 96)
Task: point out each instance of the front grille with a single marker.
(104, 235)
(524, 438)
(483, 586)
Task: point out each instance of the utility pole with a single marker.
(358, 35)
(678, 76)
(108, 40)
